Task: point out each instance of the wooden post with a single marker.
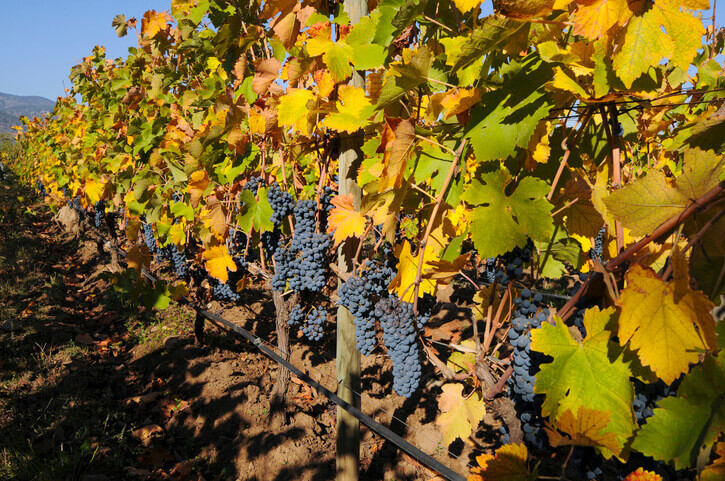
(348, 357)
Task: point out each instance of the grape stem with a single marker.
(431, 221)
(666, 226)
(567, 152)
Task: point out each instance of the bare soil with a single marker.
(94, 387)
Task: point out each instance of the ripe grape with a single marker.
(178, 259)
(281, 202)
(99, 210)
(598, 248)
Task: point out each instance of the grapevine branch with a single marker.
(429, 227)
(567, 152)
(695, 238)
(666, 226)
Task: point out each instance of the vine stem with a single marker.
(567, 152)
(498, 387)
(496, 322)
(669, 224)
(429, 227)
(615, 148)
(356, 259)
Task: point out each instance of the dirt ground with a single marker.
(94, 387)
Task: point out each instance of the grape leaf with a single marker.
(397, 144)
(681, 425)
(577, 209)
(591, 374)
(715, 471)
(593, 20)
(217, 260)
(198, 183)
(353, 110)
(463, 361)
(255, 213)
(508, 464)
(507, 117)
(344, 221)
(662, 31)
(403, 283)
(292, 110)
(503, 222)
(584, 429)
(651, 200)
(658, 319)
(459, 415)
(494, 32)
(642, 475)
(266, 71)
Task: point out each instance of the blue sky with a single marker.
(42, 39)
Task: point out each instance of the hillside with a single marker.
(13, 106)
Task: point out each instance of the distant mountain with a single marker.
(13, 106)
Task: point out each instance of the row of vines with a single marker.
(558, 162)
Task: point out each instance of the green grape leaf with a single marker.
(507, 117)
(255, 214)
(588, 374)
(180, 209)
(651, 200)
(502, 222)
(494, 32)
(682, 425)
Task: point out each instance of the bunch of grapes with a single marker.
(307, 271)
(325, 206)
(357, 295)
(2, 171)
(176, 197)
(282, 203)
(302, 264)
(598, 249)
(311, 324)
(99, 209)
(178, 259)
(270, 240)
(512, 263)
(253, 184)
(149, 238)
(527, 316)
(75, 204)
(399, 323)
(647, 396)
(223, 291)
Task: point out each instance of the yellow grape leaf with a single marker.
(177, 234)
(292, 110)
(642, 475)
(154, 22)
(217, 216)
(525, 9)
(593, 20)
(94, 190)
(325, 82)
(649, 201)
(460, 100)
(508, 464)
(716, 470)
(666, 322)
(353, 110)
(563, 81)
(403, 283)
(198, 182)
(237, 140)
(217, 260)
(396, 143)
(583, 430)
(344, 221)
(257, 122)
(460, 415)
(463, 361)
(465, 5)
(133, 226)
(662, 31)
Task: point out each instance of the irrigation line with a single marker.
(375, 426)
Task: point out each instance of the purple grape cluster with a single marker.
(253, 184)
(598, 249)
(99, 210)
(223, 291)
(399, 323)
(149, 238)
(358, 295)
(303, 264)
(310, 324)
(528, 315)
(178, 259)
(509, 266)
(281, 202)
